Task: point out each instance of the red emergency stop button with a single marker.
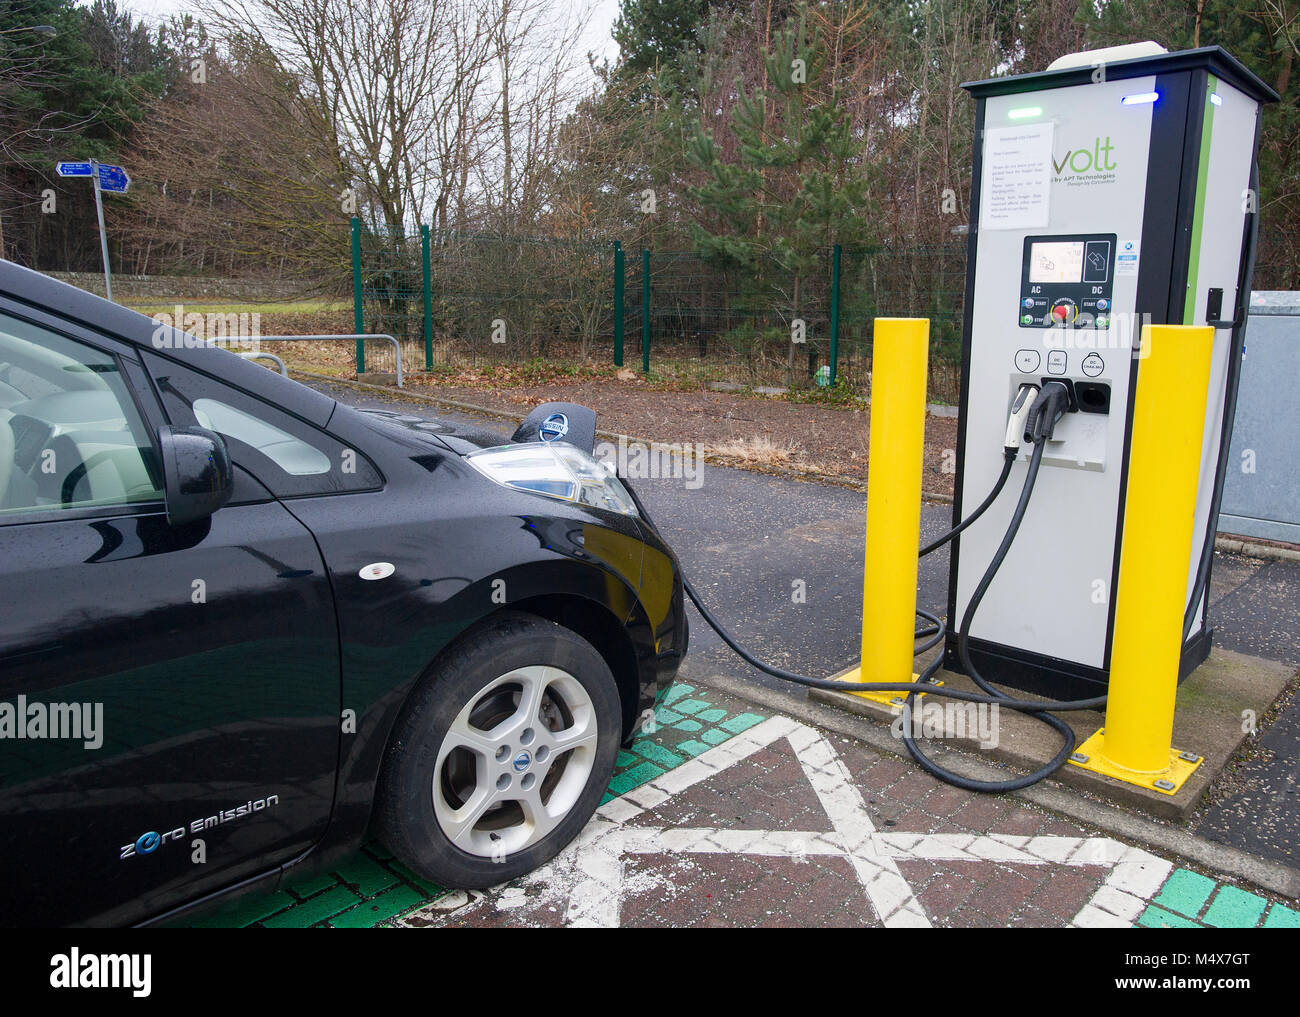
(1060, 312)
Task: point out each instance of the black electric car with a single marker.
(242, 624)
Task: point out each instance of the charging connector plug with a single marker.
(1017, 421)
(1052, 404)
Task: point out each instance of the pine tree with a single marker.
(798, 184)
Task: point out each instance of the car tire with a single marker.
(501, 754)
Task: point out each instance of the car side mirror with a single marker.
(197, 477)
(560, 422)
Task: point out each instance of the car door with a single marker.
(169, 695)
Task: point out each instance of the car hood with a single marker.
(459, 438)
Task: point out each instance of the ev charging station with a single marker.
(1113, 221)
(1113, 190)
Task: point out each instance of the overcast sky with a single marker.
(596, 39)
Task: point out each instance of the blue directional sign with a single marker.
(113, 178)
(74, 169)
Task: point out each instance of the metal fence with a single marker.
(763, 325)
(390, 293)
(457, 301)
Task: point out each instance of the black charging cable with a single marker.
(1017, 432)
(1050, 406)
(1045, 412)
(1008, 460)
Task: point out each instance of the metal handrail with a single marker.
(397, 348)
(267, 356)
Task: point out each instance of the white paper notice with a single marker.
(1017, 177)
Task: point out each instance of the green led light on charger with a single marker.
(1025, 112)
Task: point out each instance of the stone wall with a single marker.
(167, 287)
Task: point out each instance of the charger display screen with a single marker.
(1056, 262)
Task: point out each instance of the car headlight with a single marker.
(556, 470)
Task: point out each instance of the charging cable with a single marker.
(1034, 415)
(1017, 422)
(1051, 404)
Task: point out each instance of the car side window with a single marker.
(289, 456)
(292, 455)
(70, 434)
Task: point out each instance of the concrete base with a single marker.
(378, 377)
(1210, 719)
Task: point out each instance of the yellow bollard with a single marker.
(896, 448)
(1155, 558)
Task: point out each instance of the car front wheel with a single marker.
(501, 755)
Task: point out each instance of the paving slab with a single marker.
(787, 825)
(782, 823)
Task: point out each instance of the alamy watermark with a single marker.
(77, 970)
(192, 329)
(1116, 332)
(24, 719)
(637, 460)
(949, 719)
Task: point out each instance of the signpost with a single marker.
(113, 179)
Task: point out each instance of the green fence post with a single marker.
(428, 300)
(645, 310)
(619, 282)
(358, 314)
(835, 312)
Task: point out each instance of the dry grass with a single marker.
(759, 450)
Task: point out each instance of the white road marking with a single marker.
(588, 881)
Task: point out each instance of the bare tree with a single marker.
(233, 173)
(395, 82)
(438, 106)
(537, 79)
